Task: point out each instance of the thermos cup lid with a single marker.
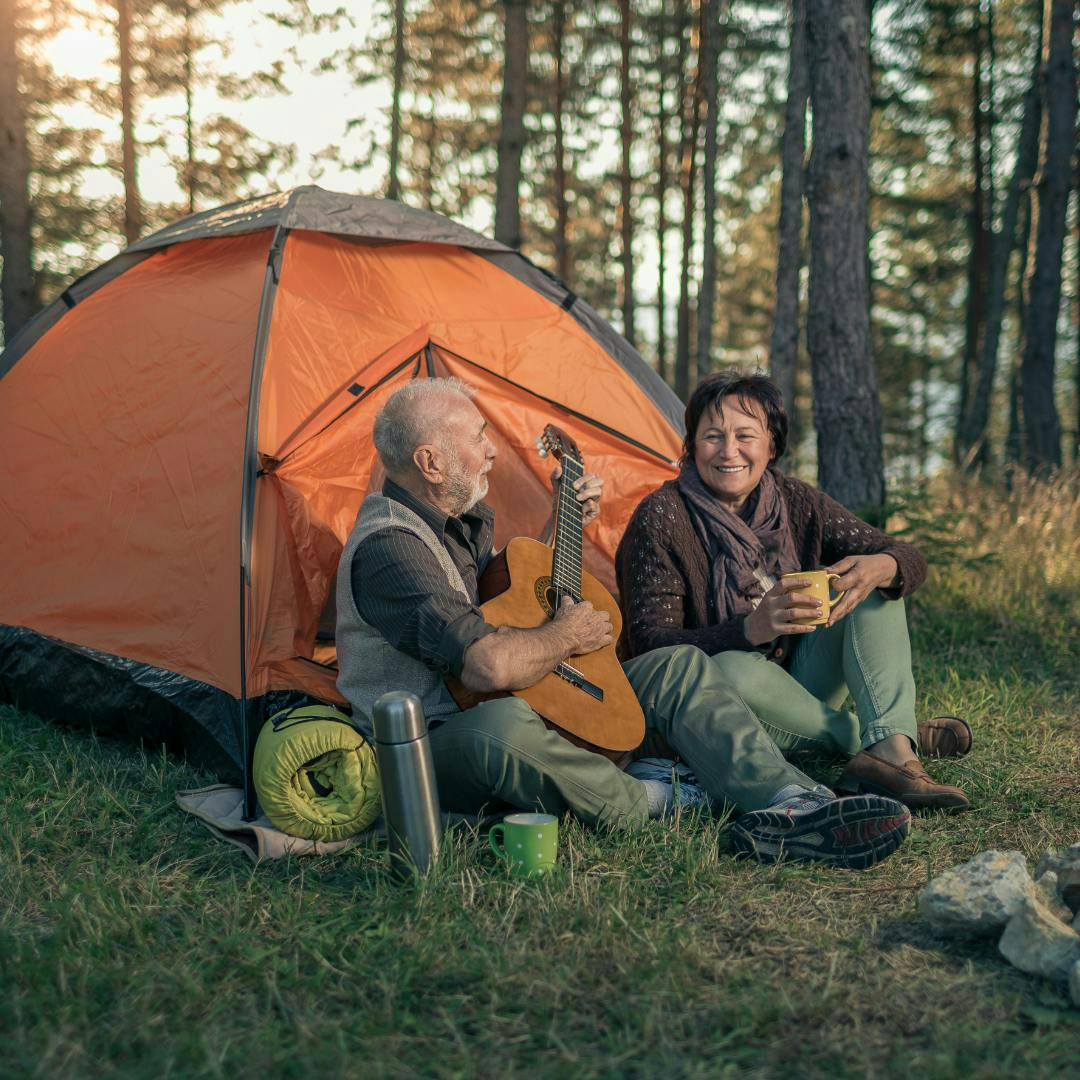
(398, 718)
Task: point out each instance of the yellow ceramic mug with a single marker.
(820, 588)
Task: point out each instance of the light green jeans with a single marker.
(501, 751)
(867, 653)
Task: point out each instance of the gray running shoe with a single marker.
(682, 788)
(853, 832)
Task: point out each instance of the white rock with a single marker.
(1048, 892)
(1038, 942)
(977, 897)
(1065, 864)
(1074, 984)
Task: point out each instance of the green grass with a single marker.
(133, 944)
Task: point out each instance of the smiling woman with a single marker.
(715, 559)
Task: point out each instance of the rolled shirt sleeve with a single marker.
(401, 590)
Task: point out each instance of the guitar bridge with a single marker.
(576, 678)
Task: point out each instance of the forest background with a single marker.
(657, 156)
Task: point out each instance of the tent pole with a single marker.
(251, 472)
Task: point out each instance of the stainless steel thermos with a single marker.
(407, 778)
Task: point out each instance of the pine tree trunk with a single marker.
(133, 216)
(190, 178)
(706, 304)
(626, 183)
(17, 286)
(512, 133)
(689, 122)
(393, 182)
(1014, 439)
(978, 245)
(661, 198)
(784, 346)
(972, 440)
(847, 412)
(1042, 427)
(562, 209)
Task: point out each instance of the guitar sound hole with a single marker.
(545, 595)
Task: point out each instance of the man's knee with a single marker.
(734, 665)
(492, 735)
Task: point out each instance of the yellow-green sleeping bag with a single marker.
(315, 774)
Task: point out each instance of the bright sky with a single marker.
(312, 114)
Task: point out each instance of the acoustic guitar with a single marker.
(586, 698)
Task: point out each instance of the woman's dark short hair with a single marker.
(756, 389)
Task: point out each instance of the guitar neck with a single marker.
(566, 560)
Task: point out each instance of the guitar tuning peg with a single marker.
(541, 447)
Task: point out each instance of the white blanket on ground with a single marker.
(221, 809)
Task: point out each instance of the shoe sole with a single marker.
(950, 801)
(854, 833)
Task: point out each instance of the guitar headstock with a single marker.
(555, 441)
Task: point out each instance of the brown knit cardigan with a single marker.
(663, 570)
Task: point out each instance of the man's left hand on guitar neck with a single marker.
(589, 488)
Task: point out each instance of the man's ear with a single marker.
(430, 463)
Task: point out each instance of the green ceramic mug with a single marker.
(526, 843)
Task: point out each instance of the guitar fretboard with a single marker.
(566, 561)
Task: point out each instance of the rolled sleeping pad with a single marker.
(315, 774)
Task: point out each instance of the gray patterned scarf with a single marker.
(744, 552)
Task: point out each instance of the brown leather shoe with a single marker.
(907, 783)
(944, 736)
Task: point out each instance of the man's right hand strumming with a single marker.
(513, 659)
(584, 628)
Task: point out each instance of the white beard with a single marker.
(463, 492)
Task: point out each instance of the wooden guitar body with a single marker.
(601, 711)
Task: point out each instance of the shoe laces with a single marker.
(805, 801)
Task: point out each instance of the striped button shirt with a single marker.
(401, 590)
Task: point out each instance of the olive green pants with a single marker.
(867, 653)
(501, 751)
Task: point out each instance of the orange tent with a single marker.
(185, 439)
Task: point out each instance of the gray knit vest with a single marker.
(368, 665)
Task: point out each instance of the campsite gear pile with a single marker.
(220, 808)
(315, 774)
(407, 774)
(1036, 921)
(185, 438)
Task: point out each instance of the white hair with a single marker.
(413, 415)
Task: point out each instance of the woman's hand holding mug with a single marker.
(784, 609)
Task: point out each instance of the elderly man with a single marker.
(408, 615)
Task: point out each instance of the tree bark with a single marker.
(661, 198)
(190, 177)
(626, 182)
(17, 287)
(784, 346)
(1014, 439)
(1042, 427)
(847, 411)
(562, 209)
(979, 231)
(512, 132)
(706, 304)
(690, 117)
(133, 215)
(393, 183)
(972, 435)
